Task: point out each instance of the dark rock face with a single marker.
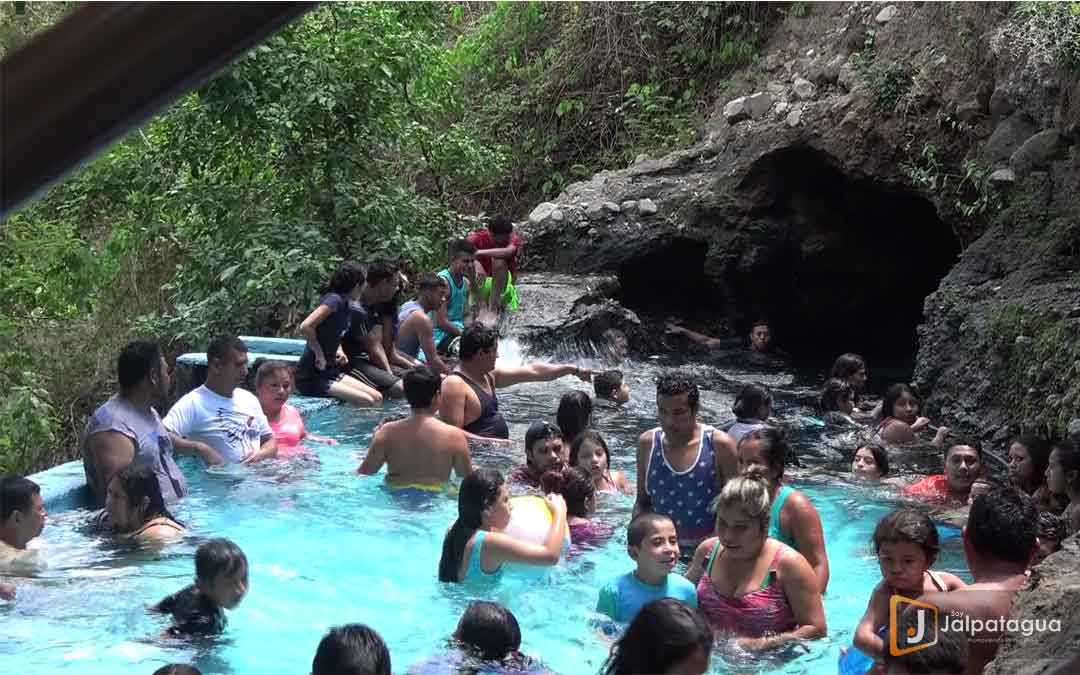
(1052, 594)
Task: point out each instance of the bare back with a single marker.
(418, 449)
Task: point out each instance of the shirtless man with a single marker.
(22, 517)
(469, 400)
(999, 543)
(420, 448)
(682, 465)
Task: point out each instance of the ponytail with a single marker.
(478, 492)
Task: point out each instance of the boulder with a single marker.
(804, 89)
(969, 111)
(773, 61)
(1008, 136)
(847, 77)
(1039, 151)
(611, 207)
(831, 72)
(782, 108)
(1000, 105)
(541, 213)
(628, 206)
(646, 207)
(594, 211)
(1003, 177)
(887, 14)
(1052, 594)
(556, 216)
(747, 107)
(794, 117)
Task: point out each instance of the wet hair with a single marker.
(221, 347)
(16, 494)
(136, 362)
(352, 649)
(477, 338)
(605, 384)
(749, 491)
(1002, 524)
(574, 484)
(574, 413)
(178, 669)
(1069, 456)
(540, 431)
(139, 481)
(674, 383)
(832, 393)
(219, 557)
(949, 654)
(775, 448)
(489, 629)
(379, 271)
(893, 394)
(430, 281)
(266, 368)
(643, 524)
(1051, 527)
(478, 491)
(751, 398)
(881, 456)
(421, 385)
(588, 436)
(459, 247)
(348, 276)
(663, 633)
(908, 525)
(972, 443)
(1038, 452)
(501, 225)
(759, 322)
(847, 365)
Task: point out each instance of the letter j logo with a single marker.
(913, 625)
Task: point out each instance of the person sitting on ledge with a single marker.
(417, 331)
(469, 400)
(419, 450)
(1000, 543)
(127, 428)
(220, 414)
(496, 264)
(543, 452)
(368, 343)
(963, 465)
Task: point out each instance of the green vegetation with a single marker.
(969, 191)
(1047, 32)
(361, 130)
(888, 81)
(1039, 370)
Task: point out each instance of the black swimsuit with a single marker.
(490, 424)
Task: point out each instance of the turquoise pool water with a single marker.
(329, 547)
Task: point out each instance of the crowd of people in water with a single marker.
(716, 499)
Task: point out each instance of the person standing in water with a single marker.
(469, 400)
(681, 464)
(793, 520)
(420, 449)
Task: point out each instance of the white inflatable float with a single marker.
(530, 520)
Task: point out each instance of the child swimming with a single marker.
(901, 420)
(837, 402)
(475, 547)
(653, 544)
(609, 386)
(273, 384)
(351, 649)
(666, 636)
(221, 582)
(906, 542)
(576, 487)
(589, 451)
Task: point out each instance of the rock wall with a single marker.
(881, 167)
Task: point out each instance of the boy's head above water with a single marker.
(221, 572)
(760, 336)
(653, 543)
(906, 542)
(609, 386)
(490, 629)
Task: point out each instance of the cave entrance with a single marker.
(669, 281)
(849, 261)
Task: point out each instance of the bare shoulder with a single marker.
(952, 582)
(794, 564)
(704, 548)
(721, 437)
(646, 437)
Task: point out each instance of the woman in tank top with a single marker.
(134, 507)
(750, 586)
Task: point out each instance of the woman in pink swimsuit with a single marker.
(749, 586)
(273, 384)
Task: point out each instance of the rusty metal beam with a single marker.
(105, 69)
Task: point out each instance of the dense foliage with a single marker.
(361, 130)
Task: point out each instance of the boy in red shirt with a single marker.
(496, 263)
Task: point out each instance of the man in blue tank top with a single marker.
(468, 394)
(682, 465)
(450, 317)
